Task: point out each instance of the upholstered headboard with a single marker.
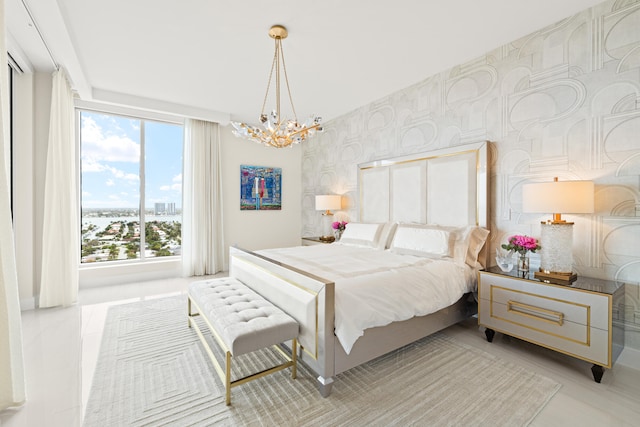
(445, 187)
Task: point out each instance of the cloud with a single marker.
(177, 178)
(122, 174)
(89, 165)
(86, 194)
(109, 182)
(174, 187)
(98, 145)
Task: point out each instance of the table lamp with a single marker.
(326, 203)
(556, 240)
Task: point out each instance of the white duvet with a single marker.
(375, 287)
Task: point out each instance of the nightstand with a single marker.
(575, 320)
(310, 241)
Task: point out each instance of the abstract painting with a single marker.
(260, 188)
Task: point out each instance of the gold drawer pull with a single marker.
(535, 312)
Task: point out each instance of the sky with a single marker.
(110, 149)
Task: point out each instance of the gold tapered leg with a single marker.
(189, 311)
(294, 358)
(227, 385)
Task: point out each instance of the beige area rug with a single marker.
(152, 371)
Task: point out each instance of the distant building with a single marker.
(164, 209)
(160, 209)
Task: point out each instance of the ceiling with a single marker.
(214, 56)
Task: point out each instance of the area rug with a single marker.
(153, 371)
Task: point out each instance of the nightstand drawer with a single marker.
(564, 319)
(590, 344)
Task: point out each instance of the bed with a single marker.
(405, 269)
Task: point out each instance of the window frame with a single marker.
(135, 114)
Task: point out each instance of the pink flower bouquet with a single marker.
(522, 244)
(339, 225)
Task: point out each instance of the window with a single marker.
(131, 188)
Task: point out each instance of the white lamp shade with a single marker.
(558, 197)
(328, 202)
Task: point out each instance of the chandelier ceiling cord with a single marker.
(277, 131)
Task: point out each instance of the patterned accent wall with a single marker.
(563, 101)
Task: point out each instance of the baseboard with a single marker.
(629, 357)
(28, 303)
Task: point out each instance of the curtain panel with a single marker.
(61, 225)
(12, 377)
(203, 250)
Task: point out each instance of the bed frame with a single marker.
(445, 187)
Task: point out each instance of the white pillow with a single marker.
(465, 243)
(361, 234)
(386, 235)
(422, 240)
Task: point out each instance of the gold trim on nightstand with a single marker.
(587, 308)
(534, 312)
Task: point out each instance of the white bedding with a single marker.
(375, 287)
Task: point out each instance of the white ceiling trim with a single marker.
(155, 105)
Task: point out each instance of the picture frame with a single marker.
(260, 188)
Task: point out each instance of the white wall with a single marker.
(260, 229)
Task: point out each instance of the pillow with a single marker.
(361, 234)
(476, 240)
(386, 235)
(468, 243)
(422, 240)
(465, 243)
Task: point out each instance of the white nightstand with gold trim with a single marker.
(576, 320)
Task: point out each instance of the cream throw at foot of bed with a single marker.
(152, 371)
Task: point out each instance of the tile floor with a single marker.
(61, 346)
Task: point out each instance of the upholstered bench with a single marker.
(241, 321)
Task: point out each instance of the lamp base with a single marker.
(327, 238)
(557, 278)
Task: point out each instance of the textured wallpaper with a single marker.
(563, 101)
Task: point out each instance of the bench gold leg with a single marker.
(294, 358)
(227, 384)
(189, 311)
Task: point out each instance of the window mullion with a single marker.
(143, 222)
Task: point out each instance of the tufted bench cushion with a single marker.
(241, 321)
(245, 320)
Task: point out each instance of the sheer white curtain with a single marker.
(203, 248)
(60, 235)
(12, 380)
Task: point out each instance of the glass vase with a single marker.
(523, 263)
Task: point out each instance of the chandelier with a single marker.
(278, 132)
